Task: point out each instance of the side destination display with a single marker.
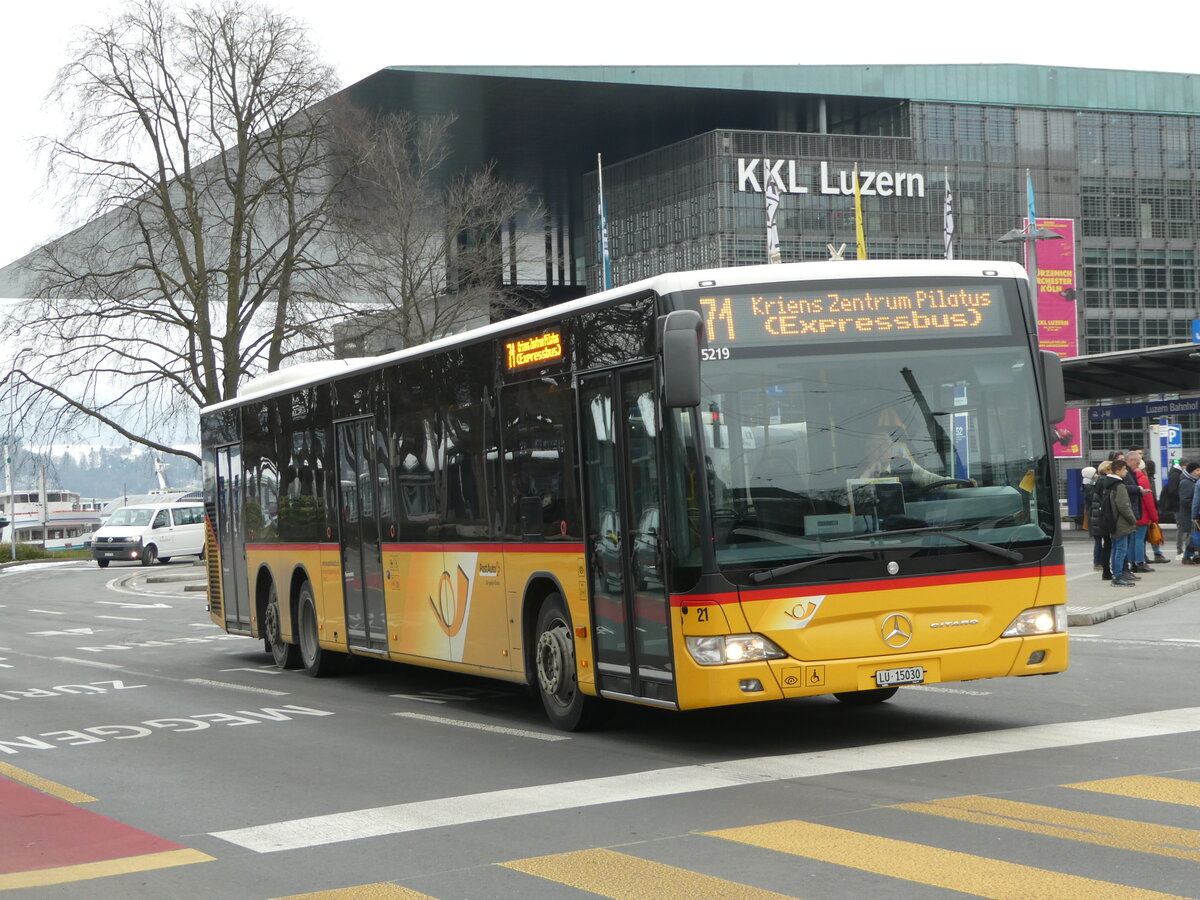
(767, 316)
(540, 349)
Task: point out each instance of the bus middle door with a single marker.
(361, 553)
(630, 621)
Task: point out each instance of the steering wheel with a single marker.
(944, 482)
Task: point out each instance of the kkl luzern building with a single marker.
(687, 150)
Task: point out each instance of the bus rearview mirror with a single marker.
(682, 337)
(1056, 391)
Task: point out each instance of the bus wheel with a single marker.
(102, 563)
(317, 662)
(567, 707)
(286, 656)
(149, 555)
(865, 698)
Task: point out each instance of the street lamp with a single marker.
(1029, 236)
(9, 451)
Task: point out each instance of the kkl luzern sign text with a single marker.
(753, 173)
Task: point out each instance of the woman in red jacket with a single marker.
(1149, 512)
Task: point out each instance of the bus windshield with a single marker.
(815, 454)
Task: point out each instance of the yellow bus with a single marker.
(702, 489)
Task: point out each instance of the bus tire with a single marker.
(554, 664)
(102, 563)
(316, 662)
(149, 555)
(286, 656)
(866, 698)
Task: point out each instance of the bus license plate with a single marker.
(909, 675)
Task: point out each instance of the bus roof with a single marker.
(310, 373)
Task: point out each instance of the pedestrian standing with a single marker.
(1168, 503)
(1183, 517)
(1101, 531)
(1088, 477)
(1124, 523)
(1143, 510)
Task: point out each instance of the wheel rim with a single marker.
(555, 663)
(308, 636)
(272, 623)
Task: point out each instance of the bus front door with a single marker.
(231, 538)
(359, 494)
(629, 603)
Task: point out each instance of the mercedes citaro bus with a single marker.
(669, 493)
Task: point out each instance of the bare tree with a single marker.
(430, 244)
(198, 149)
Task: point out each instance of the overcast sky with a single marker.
(359, 37)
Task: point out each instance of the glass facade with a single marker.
(1129, 180)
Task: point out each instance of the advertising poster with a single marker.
(1057, 322)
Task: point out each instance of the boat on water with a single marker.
(64, 521)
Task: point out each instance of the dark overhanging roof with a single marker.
(1059, 87)
(1174, 368)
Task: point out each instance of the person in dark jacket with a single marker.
(1168, 502)
(1125, 524)
(1183, 511)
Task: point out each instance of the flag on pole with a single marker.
(605, 258)
(948, 217)
(859, 237)
(1031, 214)
(771, 190)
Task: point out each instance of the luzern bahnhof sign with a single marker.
(753, 173)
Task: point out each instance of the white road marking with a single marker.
(262, 670)
(48, 612)
(88, 662)
(479, 726)
(418, 697)
(121, 618)
(235, 687)
(418, 816)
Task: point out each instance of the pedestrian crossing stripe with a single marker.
(950, 869)
(624, 877)
(1105, 831)
(1146, 787)
(383, 890)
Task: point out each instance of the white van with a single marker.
(150, 532)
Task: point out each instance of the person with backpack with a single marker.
(1100, 519)
(1183, 512)
(1118, 510)
(1089, 478)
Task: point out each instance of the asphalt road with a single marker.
(145, 754)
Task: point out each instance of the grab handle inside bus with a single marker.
(1056, 391)
(682, 336)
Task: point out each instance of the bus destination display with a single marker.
(533, 351)
(860, 314)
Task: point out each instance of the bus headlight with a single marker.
(722, 649)
(1038, 620)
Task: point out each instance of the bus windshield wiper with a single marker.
(770, 574)
(1002, 552)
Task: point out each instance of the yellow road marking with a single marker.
(85, 871)
(624, 877)
(1124, 834)
(950, 869)
(44, 785)
(1146, 787)
(383, 890)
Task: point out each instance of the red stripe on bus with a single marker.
(484, 548)
(752, 594)
(498, 547)
(296, 547)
